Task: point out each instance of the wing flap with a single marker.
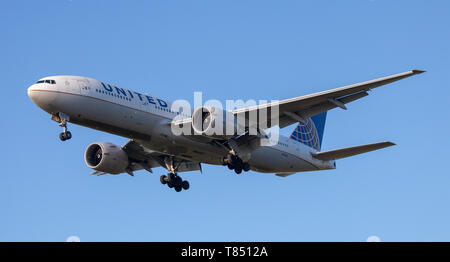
(350, 151)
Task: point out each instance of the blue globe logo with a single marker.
(306, 133)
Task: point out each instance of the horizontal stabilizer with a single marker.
(350, 151)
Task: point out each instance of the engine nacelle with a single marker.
(106, 157)
(215, 123)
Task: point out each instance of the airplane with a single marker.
(148, 120)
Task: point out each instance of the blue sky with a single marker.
(231, 50)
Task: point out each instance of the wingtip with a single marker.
(417, 71)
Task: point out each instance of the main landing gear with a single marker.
(63, 119)
(174, 181)
(235, 162)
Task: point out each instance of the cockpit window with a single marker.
(48, 81)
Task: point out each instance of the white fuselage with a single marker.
(146, 119)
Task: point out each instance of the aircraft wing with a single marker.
(142, 158)
(147, 159)
(300, 108)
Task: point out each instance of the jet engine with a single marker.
(215, 123)
(106, 157)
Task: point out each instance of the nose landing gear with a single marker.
(65, 135)
(62, 119)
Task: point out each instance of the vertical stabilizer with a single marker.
(310, 133)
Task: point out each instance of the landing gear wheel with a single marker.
(178, 188)
(170, 184)
(185, 185)
(233, 161)
(65, 136)
(163, 179)
(178, 181)
(68, 135)
(171, 177)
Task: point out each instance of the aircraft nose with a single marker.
(41, 98)
(30, 92)
(33, 95)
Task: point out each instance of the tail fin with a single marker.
(310, 133)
